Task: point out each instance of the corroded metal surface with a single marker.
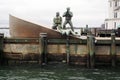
(78, 49)
(22, 48)
(27, 49)
(22, 51)
(118, 50)
(102, 50)
(57, 52)
(56, 49)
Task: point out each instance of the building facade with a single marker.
(114, 15)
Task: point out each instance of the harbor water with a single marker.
(57, 72)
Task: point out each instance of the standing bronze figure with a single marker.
(68, 16)
(57, 21)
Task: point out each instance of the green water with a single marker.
(57, 72)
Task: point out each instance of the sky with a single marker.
(91, 12)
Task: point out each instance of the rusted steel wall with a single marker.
(118, 50)
(30, 49)
(74, 49)
(59, 49)
(22, 51)
(21, 48)
(102, 50)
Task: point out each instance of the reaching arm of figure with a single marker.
(61, 19)
(64, 14)
(71, 14)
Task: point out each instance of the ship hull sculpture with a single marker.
(24, 29)
(20, 28)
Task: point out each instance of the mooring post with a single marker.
(88, 52)
(43, 44)
(1, 49)
(68, 49)
(91, 51)
(113, 50)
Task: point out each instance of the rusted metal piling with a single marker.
(1, 49)
(88, 57)
(68, 50)
(91, 51)
(43, 41)
(113, 50)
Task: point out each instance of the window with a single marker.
(115, 15)
(110, 4)
(116, 3)
(114, 25)
(106, 25)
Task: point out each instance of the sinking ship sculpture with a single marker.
(20, 28)
(23, 29)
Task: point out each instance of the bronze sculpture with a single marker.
(68, 16)
(57, 21)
